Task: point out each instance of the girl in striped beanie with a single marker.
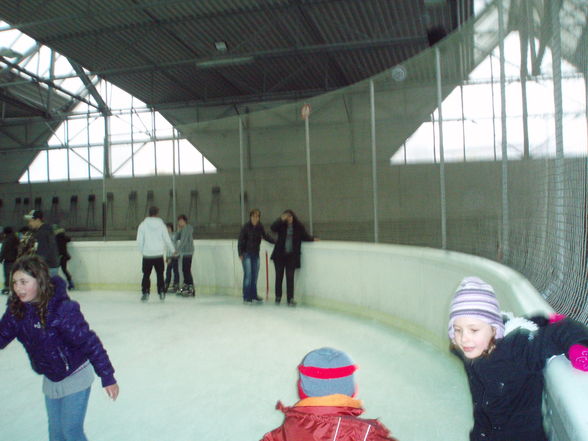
(504, 363)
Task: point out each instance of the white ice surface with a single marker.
(212, 368)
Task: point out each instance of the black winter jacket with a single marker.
(299, 234)
(46, 245)
(250, 238)
(507, 384)
(9, 248)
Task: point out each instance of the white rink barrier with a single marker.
(406, 287)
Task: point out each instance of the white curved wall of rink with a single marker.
(406, 287)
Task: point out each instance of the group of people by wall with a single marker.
(165, 250)
(37, 237)
(286, 254)
(159, 243)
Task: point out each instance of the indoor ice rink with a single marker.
(420, 141)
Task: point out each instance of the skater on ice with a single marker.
(60, 345)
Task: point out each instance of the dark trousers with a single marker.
(63, 264)
(286, 264)
(172, 266)
(187, 270)
(7, 269)
(148, 264)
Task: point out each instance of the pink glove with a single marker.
(555, 317)
(578, 355)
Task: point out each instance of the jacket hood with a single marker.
(513, 323)
(152, 223)
(59, 292)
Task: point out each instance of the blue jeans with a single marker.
(66, 416)
(250, 273)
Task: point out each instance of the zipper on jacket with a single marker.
(64, 359)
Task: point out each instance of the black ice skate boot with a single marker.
(145, 297)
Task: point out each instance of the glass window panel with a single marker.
(58, 137)
(121, 160)
(78, 163)
(165, 156)
(97, 161)
(575, 135)
(38, 168)
(142, 126)
(190, 158)
(22, 44)
(24, 179)
(421, 146)
(480, 140)
(120, 128)
(77, 131)
(163, 128)
(96, 130)
(58, 165)
(145, 160)
(74, 85)
(118, 98)
(208, 167)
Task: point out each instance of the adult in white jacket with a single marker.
(154, 243)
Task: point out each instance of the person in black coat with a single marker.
(504, 361)
(62, 240)
(248, 248)
(8, 255)
(286, 254)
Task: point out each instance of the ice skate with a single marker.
(145, 297)
(162, 295)
(187, 291)
(70, 285)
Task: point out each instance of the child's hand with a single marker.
(112, 391)
(578, 355)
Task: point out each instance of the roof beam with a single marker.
(49, 82)
(102, 106)
(302, 51)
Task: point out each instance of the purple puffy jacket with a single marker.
(64, 344)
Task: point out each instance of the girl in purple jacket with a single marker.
(60, 345)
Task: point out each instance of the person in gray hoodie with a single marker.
(186, 250)
(154, 242)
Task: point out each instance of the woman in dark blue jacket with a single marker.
(60, 345)
(248, 248)
(286, 254)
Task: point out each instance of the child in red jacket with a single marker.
(328, 409)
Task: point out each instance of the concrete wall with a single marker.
(342, 199)
(409, 288)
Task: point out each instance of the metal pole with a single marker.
(559, 193)
(308, 177)
(505, 206)
(374, 162)
(174, 144)
(441, 152)
(105, 171)
(242, 193)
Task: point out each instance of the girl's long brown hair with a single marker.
(35, 267)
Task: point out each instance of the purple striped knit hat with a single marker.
(475, 298)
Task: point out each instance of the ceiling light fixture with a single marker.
(220, 46)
